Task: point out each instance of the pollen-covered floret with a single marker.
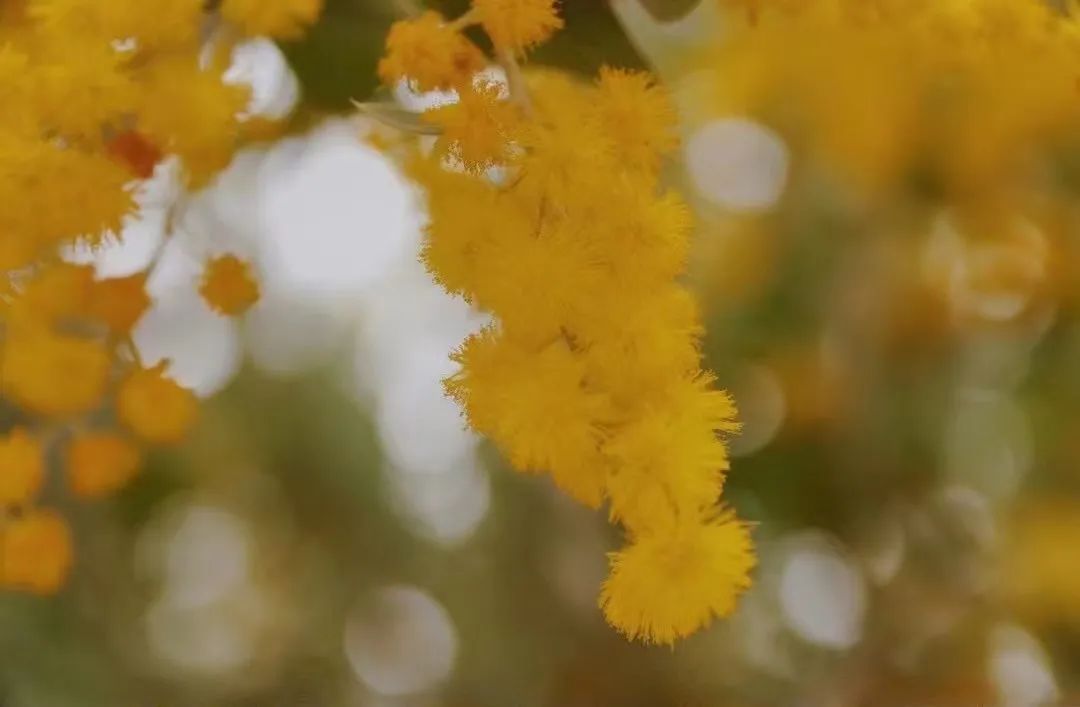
(669, 583)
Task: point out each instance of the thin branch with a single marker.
(515, 79)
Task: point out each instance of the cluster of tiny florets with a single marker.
(547, 211)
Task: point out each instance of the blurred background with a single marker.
(333, 536)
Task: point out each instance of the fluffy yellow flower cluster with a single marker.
(98, 91)
(546, 210)
(966, 97)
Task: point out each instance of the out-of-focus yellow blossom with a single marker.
(517, 25)
(35, 551)
(53, 374)
(429, 53)
(187, 110)
(82, 85)
(591, 371)
(969, 95)
(92, 180)
(155, 407)
(119, 302)
(16, 252)
(281, 19)
(100, 463)
(153, 24)
(22, 467)
(97, 94)
(1039, 562)
(135, 152)
(478, 129)
(57, 292)
(229, 286)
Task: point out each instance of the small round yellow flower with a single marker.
(429, 53)
(671, 457)
(666, 585)
(56, 294)
(54, 374)
(101, 463)
(22, 467)
(535, 405)
(228, 285)
(154, 407)
(638, 116)
(516, 25)
(35, 552)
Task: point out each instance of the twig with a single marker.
(515, 79)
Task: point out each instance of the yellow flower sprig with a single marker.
(546, 210)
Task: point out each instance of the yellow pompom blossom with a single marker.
(281, 19)
(97, 94)
(663, 585)
(189, 111)
(547, 422)
(155, 407)
(478, 129)
(429, 53)
(591, 371)
(517, 25)
(22, 467)
(100, 463)
(228, 285)
(54, 374)
(640, 115)
(35, 552)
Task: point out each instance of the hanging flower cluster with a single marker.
(546, 210)
(97, 93)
